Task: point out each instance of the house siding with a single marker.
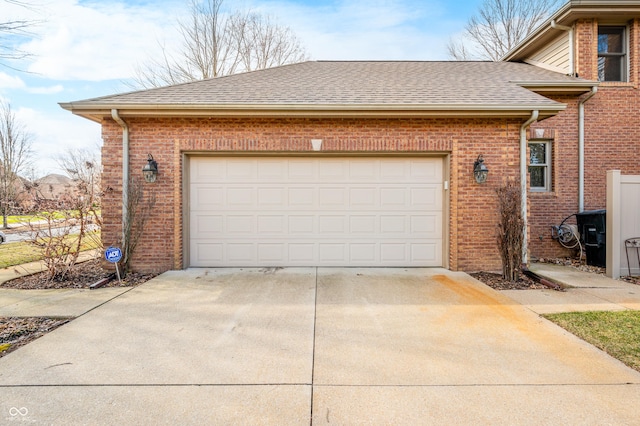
(554, 57)
(472, 207)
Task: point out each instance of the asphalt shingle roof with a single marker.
(350, 84)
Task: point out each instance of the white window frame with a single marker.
(546, 166)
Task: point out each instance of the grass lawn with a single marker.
(25, 219)
(12, 254)
(616, 333)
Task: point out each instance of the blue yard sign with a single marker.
(113, 254)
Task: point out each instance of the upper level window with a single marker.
(612, 54)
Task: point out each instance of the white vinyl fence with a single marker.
(623, 224)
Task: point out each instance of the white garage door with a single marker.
(299, 211)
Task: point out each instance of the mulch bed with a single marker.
(496, 282)
(82, 275)
(18, 331)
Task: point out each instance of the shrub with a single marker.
(510, 230)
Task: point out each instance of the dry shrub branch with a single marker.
(139, 208)
(510, 228)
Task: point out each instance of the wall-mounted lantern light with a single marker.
(480, 171)
(150, 170)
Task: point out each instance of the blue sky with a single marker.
(84, 49)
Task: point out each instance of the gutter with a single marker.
(594, 90)
(125, 169)
(523, 183)
(571, 51)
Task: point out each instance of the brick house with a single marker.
(371, 163)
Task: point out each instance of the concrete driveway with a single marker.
(327, 346)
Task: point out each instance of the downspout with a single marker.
(571, 52)
(594, 90)
(125, 169)
(523, 183)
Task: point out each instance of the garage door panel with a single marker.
(393, 252)
(393, 169)
(272, 252)
(302, 253)
(239, 224)
(427, 197)
(363, 197)
(240, 252)
(315, 211)
(207, 198)
(426, 252)
(242, 170)
(334, 170)
(332, 198)
(301, 225)
(272, 197)
(240, 197)
(364, 171)
(206, 170)
(361, 224)
(206, 253)
(271, 224)
(271, 170)
(332, 252)
(362, 252)
(332, 225)
(393, 197)
(427, 226)
(393, 225)
(303, 171)
(426, 172)
(208, 224)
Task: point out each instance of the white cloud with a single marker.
(54, 134)
(46, 90)
(364, 29)
(97, 41)
(10, 82)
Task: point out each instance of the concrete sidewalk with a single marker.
(53, 303)
(586, 292)
(314, 345)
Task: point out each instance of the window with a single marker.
(540, 166)
(612, 54)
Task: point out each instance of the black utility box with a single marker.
(592, 226)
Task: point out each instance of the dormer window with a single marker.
(612, 54)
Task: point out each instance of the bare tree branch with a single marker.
(15, 155)
(13, 30)
(217, 43)
(498, 27)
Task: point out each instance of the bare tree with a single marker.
(83, 166)
(15, 155)
(498, 27)
(216, 43)
(14, 29)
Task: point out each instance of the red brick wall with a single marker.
(550, 208)
(612, 118)
(612, 141)
(472, 232)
